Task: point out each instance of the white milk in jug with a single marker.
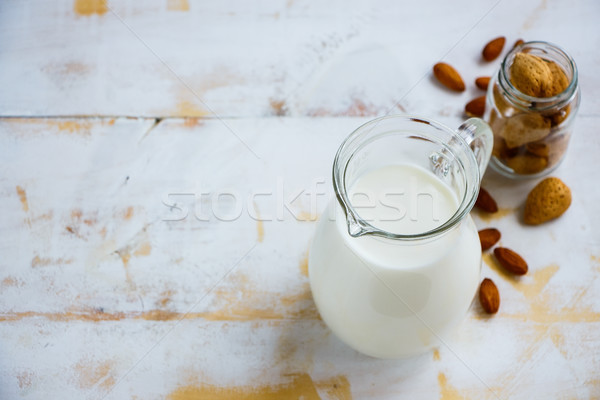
(390, 298)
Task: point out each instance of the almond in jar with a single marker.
(531, 105)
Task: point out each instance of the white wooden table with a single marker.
(128, 270)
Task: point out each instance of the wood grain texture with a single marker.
(300, 58)
(151, 250)
(100, 271)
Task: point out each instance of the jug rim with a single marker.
(358, 226)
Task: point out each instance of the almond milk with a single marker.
(390, 298)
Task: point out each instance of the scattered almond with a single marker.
(476, 107)
(488, 237)
(548, 200)
(489, 296)
(486, 202)
(482, 82)
(511, 261)
(448, 77)
(492, 50)
(518, 43)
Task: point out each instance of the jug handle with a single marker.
(478, 135)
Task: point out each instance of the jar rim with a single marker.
(541, 103)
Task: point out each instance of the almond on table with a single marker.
(486, 202)
(476, 107)
(448, 77)
(518, 43)
(492, 50)
(511, 261)
(489, 237)
(489, 298)
(548, 200)
(482, 82)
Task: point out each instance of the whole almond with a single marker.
(511, 261)
(549, 199)
(527, 164)
(518, 43)
(492, 50)
(476, 107)
(530, 74)
(489, 296)
(488, 237)
(540, 149)
(485, 202)
(482, 82)
(559, 81)
(448, 76)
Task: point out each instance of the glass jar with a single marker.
(531, 134)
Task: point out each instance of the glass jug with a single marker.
(395, 260)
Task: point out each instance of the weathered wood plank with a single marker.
(103, 291)
(191, 58)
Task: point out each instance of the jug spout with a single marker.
(355, 227)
